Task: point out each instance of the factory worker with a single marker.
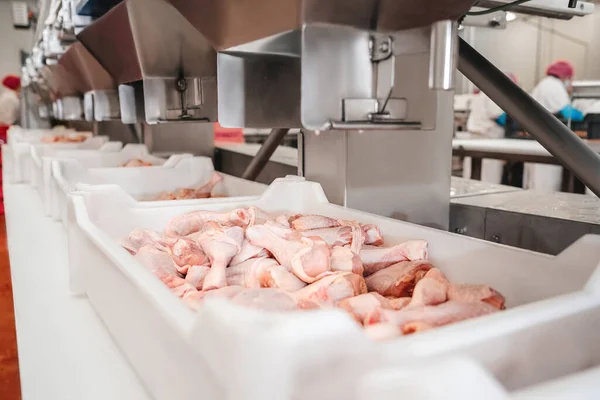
(553, 91)
(9, 103)
(486, 120)
(553, 94)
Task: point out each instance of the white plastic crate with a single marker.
(41, 157)
(227, 352)
(106, 157)
(16, 156)
(557, 359)
(143, 184)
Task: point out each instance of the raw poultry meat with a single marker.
(162, 266)
(64, 139)
(203, 192)
(333, 288)
(344, 259)
(135, 163)
(141, 237)
(308, 258)
(375, 259)
(220, 244)
(187, 224)
(420, 318)
(472, 293)
(196, 274)
(263, 273)
(249, 251)
(361, 306)
(290, 263)
(187, 252)
(397, 280)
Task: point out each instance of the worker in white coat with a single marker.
(9, 100)
(553, 94)
(487, 120)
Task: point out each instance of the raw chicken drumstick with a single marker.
(375, 259)
(189, 223)
(163, 267)
(420, 318)
(187, 252)
(333, 288)
(220, 244)
(307, 258)
(140, 237)
(263, 273)
(397, 280)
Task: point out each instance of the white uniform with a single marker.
(482, 124)
(553, 96)
(9, 107)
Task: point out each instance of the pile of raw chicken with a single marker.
(64, 139)
(203, 192)
(300, 262)
(135, 163)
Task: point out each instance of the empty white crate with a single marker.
(142, 184)
(16, 156)
(227, 352)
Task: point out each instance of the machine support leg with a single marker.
(476, 168)
(559, 140)
(264, 154)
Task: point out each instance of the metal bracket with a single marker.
(381, 111)
(181, 86)
(381, 47)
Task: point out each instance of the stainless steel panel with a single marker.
(228, 23)
(551, 235)
(467, 220)
(505, 227)
(164, 101)
(131, 102)
(83, 67)
(149, 38)
(195, 138)
(259, 92)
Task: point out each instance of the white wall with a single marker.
(526, 50)
(11, 41)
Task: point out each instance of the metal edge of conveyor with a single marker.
(557, 138)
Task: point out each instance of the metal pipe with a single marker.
(559, 140)
(264, 154)
(443, 50)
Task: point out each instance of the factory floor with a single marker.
(9, 364)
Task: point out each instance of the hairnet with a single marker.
(12, 82)
(561, 69)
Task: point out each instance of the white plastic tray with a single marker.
(41, 157)
(106, 157)
(16, 156)
(557, 359)
(142, 184)
(226, 352)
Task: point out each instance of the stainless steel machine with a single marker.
(368, 82)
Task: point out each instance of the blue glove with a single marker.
(501, 120)
(575, 114)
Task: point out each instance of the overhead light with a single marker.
(510, 16)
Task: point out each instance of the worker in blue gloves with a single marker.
(486, 121)
(553, 94)
(553, 91)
